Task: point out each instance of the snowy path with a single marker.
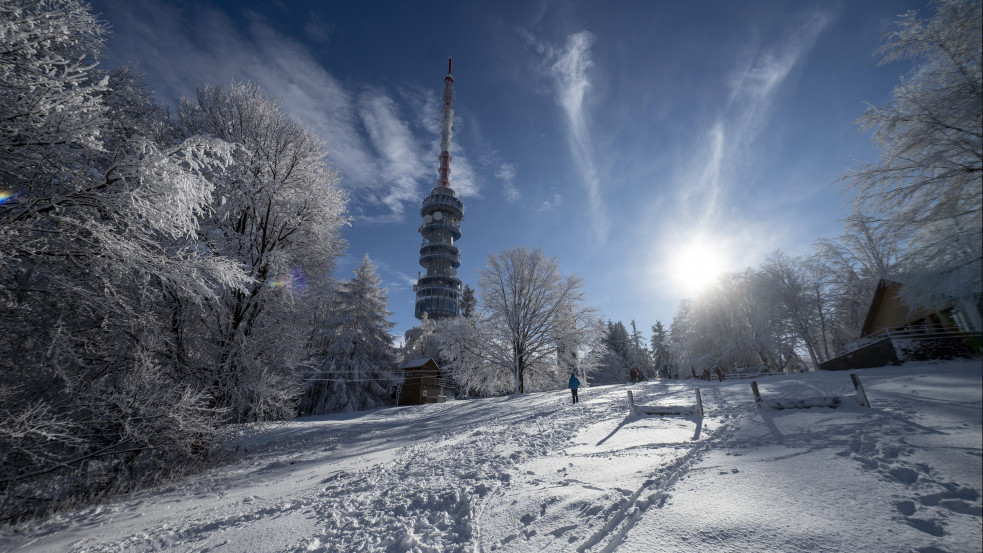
(535, 473)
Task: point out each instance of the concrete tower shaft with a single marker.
(438, 293)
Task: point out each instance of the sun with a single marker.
(695, 264)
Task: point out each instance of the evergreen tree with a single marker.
(616, 359)
(660, 349)
(469, 303)
(640, 357)
(357, 367)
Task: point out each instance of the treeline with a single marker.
(163, 274)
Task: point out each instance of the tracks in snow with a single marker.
(653, 493)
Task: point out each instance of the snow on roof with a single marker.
(416, 363)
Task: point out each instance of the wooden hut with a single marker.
(422, 383)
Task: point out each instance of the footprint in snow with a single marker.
(906, 508)
(928, 526)
(961, 507)
(904, 475)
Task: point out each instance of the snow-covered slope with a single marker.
(535, 473)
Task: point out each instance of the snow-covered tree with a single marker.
(277, 212)
(466, 360)
(356, 362)
(616, 360)
(929, 177)
(681, 334)
(528, 305)
(469, 303)
(420, 341)
(49, 97)
(660, 349)
(99, 216)
(641, 357)
(788, 279)
(739, 322)
(852, 264)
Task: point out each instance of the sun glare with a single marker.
(696, 264)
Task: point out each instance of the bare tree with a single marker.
(278, 212)
(530, 310)
(850, 267)
(929, 177)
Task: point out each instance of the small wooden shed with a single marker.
(422, 383)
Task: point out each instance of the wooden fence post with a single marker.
(757, 395)
(861, 395)
(699, 402)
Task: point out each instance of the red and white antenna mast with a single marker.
(446, 119)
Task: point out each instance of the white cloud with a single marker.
(400, 162)
(506, 173)
(568, 67)
(554, 202)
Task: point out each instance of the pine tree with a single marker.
(616, 359)
(469, 303)
(641, 358)
(660, 349)
(356, 369)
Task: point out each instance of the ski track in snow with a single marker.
(534, 473)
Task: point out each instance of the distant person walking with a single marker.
(574, 384)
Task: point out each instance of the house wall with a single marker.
(415, 381)
(878, 354)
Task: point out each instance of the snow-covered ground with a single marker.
(535, 473)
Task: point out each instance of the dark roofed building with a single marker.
(895, 332)
(423, 383)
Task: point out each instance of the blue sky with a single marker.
(644, 144)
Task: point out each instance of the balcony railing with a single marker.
(439, 281)
(448, 225)
(444, 202)
(445, 252)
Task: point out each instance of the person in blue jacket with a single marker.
(574, 384)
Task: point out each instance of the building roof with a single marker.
(417, 363)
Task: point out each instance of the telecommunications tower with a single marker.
(438, 293)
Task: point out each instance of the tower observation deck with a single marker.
(438, 292)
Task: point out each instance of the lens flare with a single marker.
(6, 196)
(294, 282)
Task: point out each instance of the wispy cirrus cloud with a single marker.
(506, 173)
(752, 87)
(400, 163)
(377, 150)
(568, 68)
(555, 201)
